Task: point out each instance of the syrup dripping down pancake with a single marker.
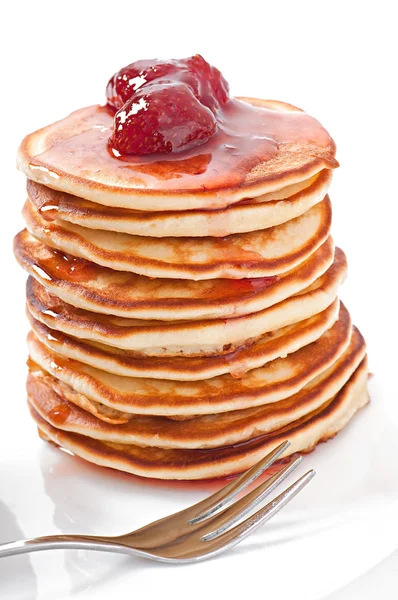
(165, 463)
(208, 431)
(256, 151)
(274, 381)
(256, 254)
(189, 338)
(99, 289)
(259, 213)
(271, 346)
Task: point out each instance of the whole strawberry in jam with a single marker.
(169, 118)
(165, 106)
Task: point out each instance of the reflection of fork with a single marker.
(198, 532)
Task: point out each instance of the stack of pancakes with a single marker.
(184, 310)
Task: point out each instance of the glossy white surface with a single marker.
(328, 527)
(337, 62)
(381, 581)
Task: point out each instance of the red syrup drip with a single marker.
(59, 265)
(59, 414)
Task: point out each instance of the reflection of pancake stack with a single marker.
(184, 314)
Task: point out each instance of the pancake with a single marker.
(274, 381)
(273, 345)
(184, 306)
(164, 463)
(92, 287)
(239, 218)
(189, 338)
(207, 431)
(255, 152)
(105, 413)
(255, 254)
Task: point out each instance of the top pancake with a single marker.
(254, 152)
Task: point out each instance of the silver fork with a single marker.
(200, 531)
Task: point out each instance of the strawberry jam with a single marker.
(165, 106)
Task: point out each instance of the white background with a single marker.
(337, 60)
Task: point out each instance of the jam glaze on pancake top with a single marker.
(260, 146)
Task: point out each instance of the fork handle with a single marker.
(62, 542)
